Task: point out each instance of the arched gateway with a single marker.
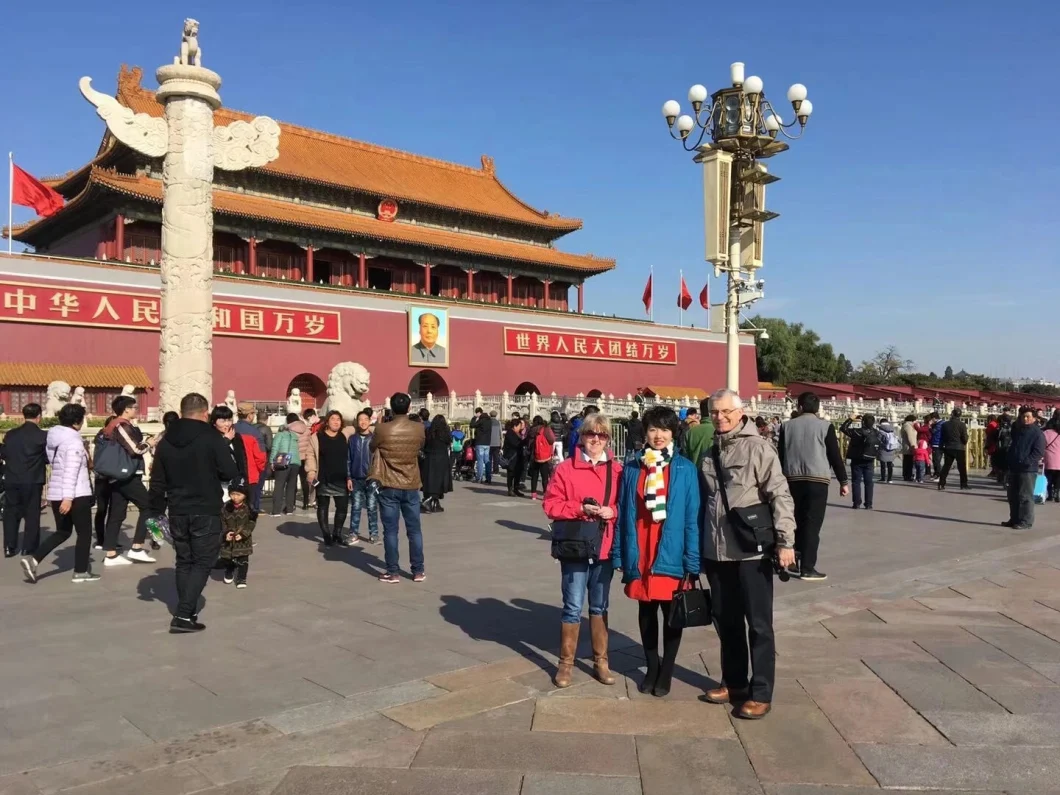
(428, 381)
(311, 388)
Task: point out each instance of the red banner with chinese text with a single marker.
(577, 345)
(81, 306)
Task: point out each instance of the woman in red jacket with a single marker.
(578, 492)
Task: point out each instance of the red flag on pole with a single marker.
(704, 297)
(646, 298)
(28, 191)
(684, 300)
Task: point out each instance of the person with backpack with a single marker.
(937, 424)
(1004, 442)
(890, 445)
(863, 449)
(285, 460)
(954, 443)
(540, 442)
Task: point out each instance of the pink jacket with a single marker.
(69, 459)
(923, 452)
(1052, 450)
(573, 481)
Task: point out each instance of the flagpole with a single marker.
(680, 299)
(651, 305)
(10, 197)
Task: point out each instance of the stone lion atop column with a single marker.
(57, 397)
(347, 384)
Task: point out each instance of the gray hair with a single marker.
(737, 401)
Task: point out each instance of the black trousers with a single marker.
(196, 542)
(307, 488)
(22, 502)
(102, 508)
(79, 519)
(494, 467)
(121, 494)
(907, 466)
(811, 501)
(1052, 477)
(962, 467)
(1021, 497)
(936, 461)
(742, 605)
(342, 508)
(648, 618)
(886, 471)
(515, 474)
(238, 567)
(542, 470)
(285, 488)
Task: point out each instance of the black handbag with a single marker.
(574, 540)
(691, 606)
(752, 524)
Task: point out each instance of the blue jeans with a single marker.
(861, 472)
(920, 468)
(482, 461)
(577, 577)
(365, 495)
(393, 504)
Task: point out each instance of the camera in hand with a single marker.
(590, 501)
(782, 573)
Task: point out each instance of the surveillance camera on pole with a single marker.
(743, 127)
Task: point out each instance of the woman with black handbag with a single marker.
(582, 500)
(657, 541)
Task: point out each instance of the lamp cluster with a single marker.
(741, 112)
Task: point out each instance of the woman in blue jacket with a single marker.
(657, 540)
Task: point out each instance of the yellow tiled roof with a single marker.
(90, 376)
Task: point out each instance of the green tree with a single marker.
(948, 375)
(886, 367)
(795, 353)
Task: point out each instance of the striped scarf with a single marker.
(656, 462)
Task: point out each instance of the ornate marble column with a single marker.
(191, 147)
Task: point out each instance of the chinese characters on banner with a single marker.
(575, 345)
(80, 306)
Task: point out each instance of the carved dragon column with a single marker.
(191, 147)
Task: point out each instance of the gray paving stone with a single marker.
(640, 717)
(549, 752)
(279, 753)
(1020, 642)
(264, 784)
(17, 784)
(461, 704)
(1026, 700)
(62, 744)
(565, 784)
(810, 789)
(168, 714)
(482, 674)
(975, 728)
(179, 779)
(328, 713)
(1008, 768)
(868, 711)
(396, 752)
(798, 745)
(514, 717)
(693, 766)
(365, 781)
(932, 686)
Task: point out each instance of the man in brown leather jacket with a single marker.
(396, 466)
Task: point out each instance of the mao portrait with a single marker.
(428, 337)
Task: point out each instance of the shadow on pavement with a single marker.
(542, 532)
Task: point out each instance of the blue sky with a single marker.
(920, 209)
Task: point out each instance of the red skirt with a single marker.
(650, 587)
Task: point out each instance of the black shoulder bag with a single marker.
(752, 525)
(691, 605)
(573, 539)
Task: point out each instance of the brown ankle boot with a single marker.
(598, 627)
(568, 647)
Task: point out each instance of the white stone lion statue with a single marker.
(230, 400)
(128, 391)
(294, 402)
(347, 384)
(78, 397)
(58, 396)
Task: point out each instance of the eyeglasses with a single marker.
(603, 437)
(722, 412)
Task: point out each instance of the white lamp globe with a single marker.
(797, 93)
(752, 85)
(697, 93)
(805, 109)
(685, 125)
(671, 109)
(772, 123)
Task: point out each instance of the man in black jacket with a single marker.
(634, 436)
(1024, 456)
(191, 463)
(25, 464)
(954, 443)
(482, 432)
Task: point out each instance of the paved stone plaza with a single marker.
(930, 659)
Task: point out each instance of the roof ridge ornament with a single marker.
(488, 165)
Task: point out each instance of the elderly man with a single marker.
(748, 517)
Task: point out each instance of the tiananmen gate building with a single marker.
(339, 250)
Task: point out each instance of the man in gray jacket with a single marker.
(739, 569)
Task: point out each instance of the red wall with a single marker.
(262, 369)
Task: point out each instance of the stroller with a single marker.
(464, 465)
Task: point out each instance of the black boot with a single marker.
(671, 645)
(652, 674)
(437, 505)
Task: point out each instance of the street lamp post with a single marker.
(743, 128)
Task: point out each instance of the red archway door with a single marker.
(594, 394)
(527, 388)
(311, 389)
(428, 381)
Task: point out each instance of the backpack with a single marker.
(891, 443)
(111, 460)
(871, 448)
(542, 448)
(1004, 437)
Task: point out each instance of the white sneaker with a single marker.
(139, 555)
(117, 560)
